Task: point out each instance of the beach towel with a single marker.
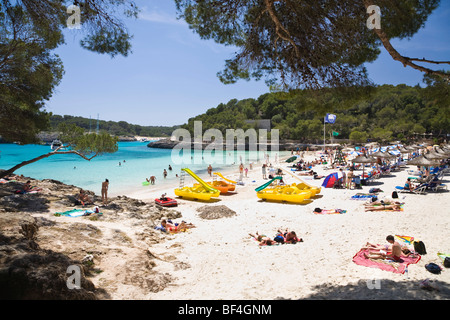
(331, 211)
(442, 256)
(363, 196)
(76, 213)
(386, 264)
(407, 239)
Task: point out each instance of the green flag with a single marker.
(335, 133)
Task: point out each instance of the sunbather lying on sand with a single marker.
(263, 239)
(27, 187)
(281, 237)
(396, 254)
(370, 246)
(382, 207)
(181, 226)
(84, 198)
(290, 236)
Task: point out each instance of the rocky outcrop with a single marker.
(29, 272)
(163, 144)
(215, 212)
(111, 249)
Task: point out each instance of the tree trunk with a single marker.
(24, 163)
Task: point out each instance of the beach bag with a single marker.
(394, 195)
(419, 247)
(447, 262)
(433, 268)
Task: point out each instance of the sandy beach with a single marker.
(226, 263)
(219, 260)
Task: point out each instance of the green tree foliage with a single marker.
(120, 128)
(304, 44)
(387, 112)
(87, 146)
(29, 72)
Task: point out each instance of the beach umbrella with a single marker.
(423, 162)
(364, 159)
(377, 154)
(329, 180)
(403, 150)
(435, 155)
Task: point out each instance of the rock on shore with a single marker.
(111, 248)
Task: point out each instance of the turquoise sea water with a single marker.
(137, 162)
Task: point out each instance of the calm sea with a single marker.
(137, 162)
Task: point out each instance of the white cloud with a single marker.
(158, 17)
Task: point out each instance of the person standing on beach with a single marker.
(264, 171)
(105, 185)
(344, 178)
(349, 179)
(210, 170)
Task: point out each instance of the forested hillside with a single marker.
(120, 128)
(382, 113)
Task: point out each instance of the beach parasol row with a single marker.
(424, 162)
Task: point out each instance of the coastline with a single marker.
(149, 193)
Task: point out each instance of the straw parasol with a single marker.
(435, 155)
(403, 150)
(378, 154)
(364, 159)
(423, 162)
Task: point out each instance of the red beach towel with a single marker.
(387, 265)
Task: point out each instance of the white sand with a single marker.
(226, 263)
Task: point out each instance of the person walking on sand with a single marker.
(105, 185)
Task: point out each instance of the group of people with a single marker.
(152, 179)
(347, 178)
(168, 225)
(85, 199)
(383, 205)
(393, 250)
(281, 237)
(27, 187)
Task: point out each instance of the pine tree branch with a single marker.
(398, 57)
(24, 163)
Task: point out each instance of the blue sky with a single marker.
(171, 74)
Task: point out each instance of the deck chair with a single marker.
(420, 189)
(436, 186)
